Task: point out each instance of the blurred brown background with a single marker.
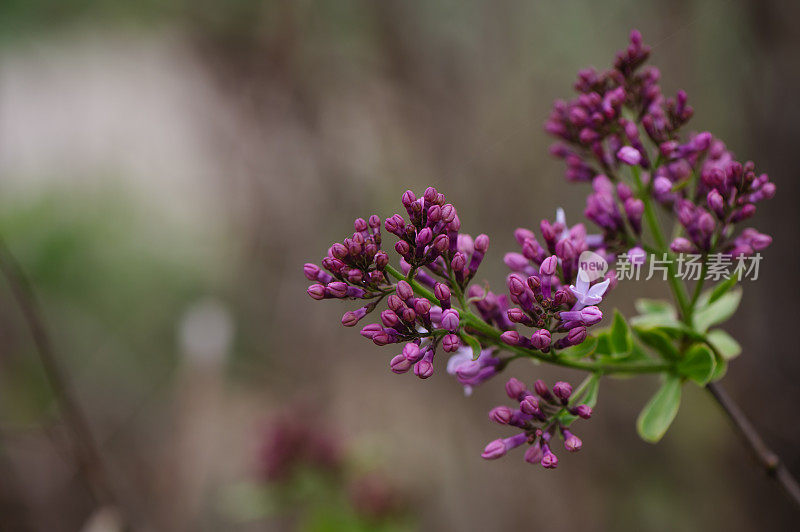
(167, 167)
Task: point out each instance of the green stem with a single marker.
(678, 290)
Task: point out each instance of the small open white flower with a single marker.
(588, 295)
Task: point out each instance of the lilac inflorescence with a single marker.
(600, 134)
(541, 415)
(541, 284)
(434, 253)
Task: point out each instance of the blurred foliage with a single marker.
(312, 500)
(113, 283)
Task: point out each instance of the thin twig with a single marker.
(766, 457)
(87, 455)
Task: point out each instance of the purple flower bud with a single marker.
(562, 390)
(634, 208)
(360, 224)
(549, 460)
(395, 303)
(408, 198)
(576, 336)
(423, 369)
(682, 245)
(408, 315)
(624, 192)
(706, 224)
(424, 237)
(541, 339)
(591, 315)
(501, 415)
(549, 265)
(637, 256)
(716, 202)
(744, 213)
(402, 248)
(459, 262)
(521, 235)
(316, 291)
(430, 194)
(629, 155)
(390, 318)
(450, 343)
(412, 352)
(349, 319)
(572, 443)
(450, 319)
(549, 232)
(516, 286)
(465, 244)
(422, 306)
(530, 405)
(400, 364)
(515, 262)
(494, 450)
(517, 315)
(541, 389)
(515, 388)
(583, 411)
(533, 455)
(311, 271)
(338, 250)
(448, 213)
(482, 243)
(668, 148)
(369, 331)
(565, 250)
(662, 186)
(404, 290)
(758, 241)
(510, 337)
(441, 243)
(441, 291)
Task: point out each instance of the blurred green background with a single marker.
(167, 167)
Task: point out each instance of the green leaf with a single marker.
(588, 396)
(581, 350)
(657, 415)
(473, 343)
(724, 343)
(698, 364)
(621, 341)
(656, 320)
(722, 288)
(636, 355)
(720, 369)
(655, 306)
(603, 344)
(718, 311)
(659, 341)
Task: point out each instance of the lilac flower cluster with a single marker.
(540, 416)
(623, 136)
(352, 269)
(431, 238)
(540, 283)
(430, 246)
(601, 132)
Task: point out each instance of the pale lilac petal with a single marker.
(599, 289)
